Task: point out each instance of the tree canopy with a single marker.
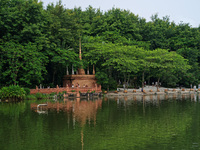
(37, 44)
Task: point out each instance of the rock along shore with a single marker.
(151, 90)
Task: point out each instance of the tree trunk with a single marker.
(109, 75)
(15, 80)
(143, 79)
(158, 83)
(124, 85)
(53, 80)
(128, 80)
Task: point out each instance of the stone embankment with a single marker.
(151, 90)
(151, 94)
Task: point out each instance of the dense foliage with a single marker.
(12, 92)
(37, 44)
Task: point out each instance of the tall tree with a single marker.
(22, 65)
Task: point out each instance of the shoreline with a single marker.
(150, 93)
(150, 90)
(154, 96)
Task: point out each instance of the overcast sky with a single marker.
(187, 11)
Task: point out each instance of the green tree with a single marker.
(122, 59)
(169, 64)
(22, 65)
(22, 21)
(193, 55)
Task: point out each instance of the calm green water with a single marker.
(140, 123)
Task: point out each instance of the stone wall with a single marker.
(96, 88)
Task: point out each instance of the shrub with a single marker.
(27, 90)
(12, 92)
(40, 96)
(31, 97)
(53, 93)
(60, 95)
(64, 92)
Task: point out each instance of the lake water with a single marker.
(126, 123)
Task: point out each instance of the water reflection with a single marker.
(82, 110)
(162, 119)
(152, 121)
(156, 99)
(152, 99)
(195, 97)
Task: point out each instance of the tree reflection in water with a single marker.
(82, 111)
(151, 121)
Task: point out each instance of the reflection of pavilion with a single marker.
(81, 110)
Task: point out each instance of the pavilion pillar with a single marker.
(67, 71)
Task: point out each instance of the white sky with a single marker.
(187, 11)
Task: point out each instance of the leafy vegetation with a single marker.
(37, 44)
(12, 92)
